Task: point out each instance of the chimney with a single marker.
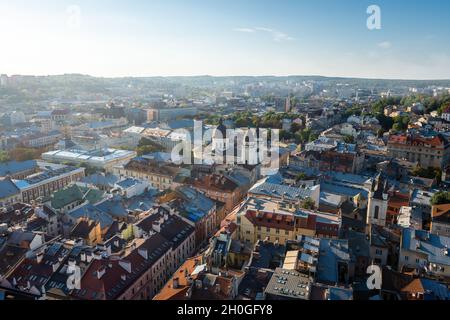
(166, 216)
(126, 265)
(83, 256)
(101, 272)
(97, 255)
(55, 266)
(176, 283)
(156, 227)
(89, 257)
(39, 257)
(143, 253)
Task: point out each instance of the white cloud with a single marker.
(385, 45)
(245, 30)
(276, 35)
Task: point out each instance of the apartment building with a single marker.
(51, 178)
(41, 139)
(260, 219)
(423, 251)
(105, 159)
(428, 151)
(220, 188)
(159, 175)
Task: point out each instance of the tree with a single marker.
(295, 127)
(397, 127)
(89, 170)
(305, 136)
(308, 204)
(301, 176)
(147, 146)
(349, 139)
(428, 173)
(4, 156)
(442, 197)
(385, 122)
(285, 135)
(143, 150)
(24, 154)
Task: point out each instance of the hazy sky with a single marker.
(225, 37)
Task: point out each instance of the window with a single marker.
(406, 258)
(377, 212)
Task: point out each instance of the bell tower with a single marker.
(378, 202)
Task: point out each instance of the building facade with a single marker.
(427, 151)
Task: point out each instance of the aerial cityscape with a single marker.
(192, 151)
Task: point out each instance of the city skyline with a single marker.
(254, 38)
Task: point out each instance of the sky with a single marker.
(225, 38)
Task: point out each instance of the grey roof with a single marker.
(239, 178)
(8, 189)
(434, 246)
(13, 167)
(127, 183)
(331, 253)
(101, 179)
(178, 124)
(268, 256)
(288, 284)
(343, 190)
(113, 207)
(331, 199)
(341, 294)
(277, 190)
(358, 243)
(17, 237)
(421, 197)
(92, 213)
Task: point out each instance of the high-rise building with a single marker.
(288, 104)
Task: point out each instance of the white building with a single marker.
(103, 159)
(378, 202)
(424, 251)
(17, 117)
(130, 188)
(446, 116)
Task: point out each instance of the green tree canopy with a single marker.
(442, 197)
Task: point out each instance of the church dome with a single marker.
(222, 129)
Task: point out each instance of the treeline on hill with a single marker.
(273, 120)
(400, 123)
(21, 153)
